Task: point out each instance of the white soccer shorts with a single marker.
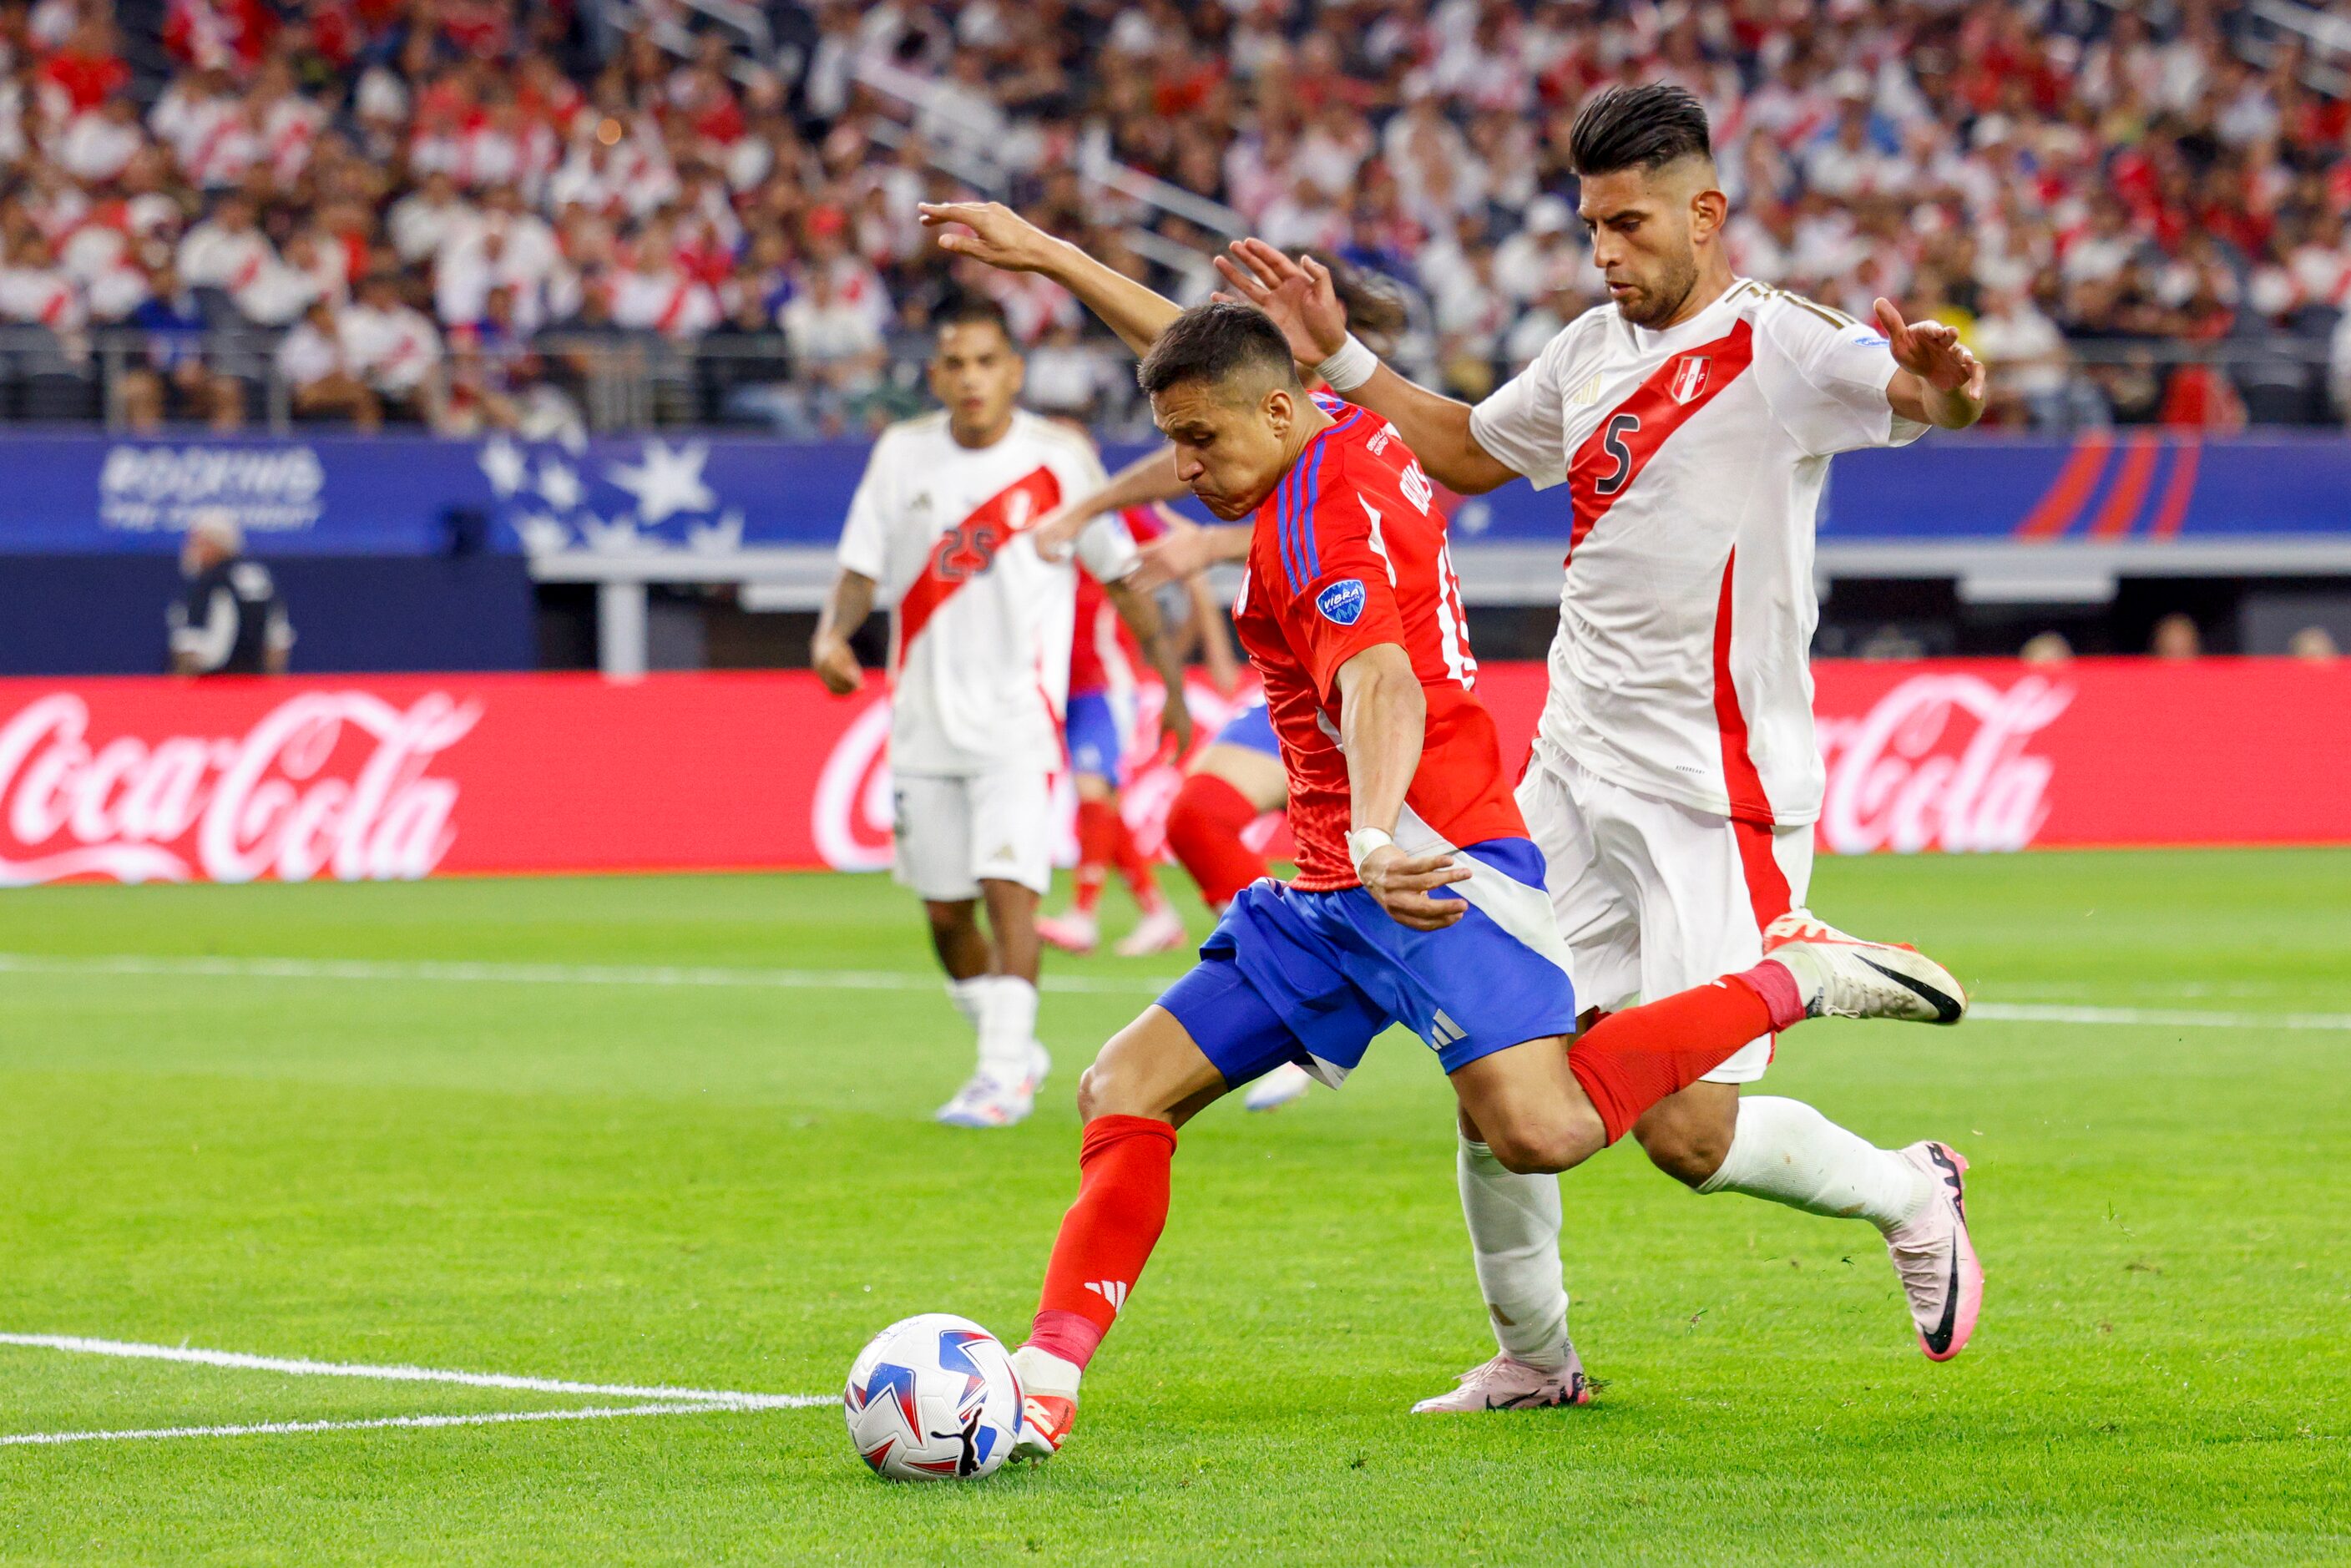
(952, 833)
(1654, 897)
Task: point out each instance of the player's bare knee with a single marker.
(1543, 1145)
(1687, 1148)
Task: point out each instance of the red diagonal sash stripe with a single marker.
(1611, 459)
(969, 548)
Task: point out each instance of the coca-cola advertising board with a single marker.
(401, 777)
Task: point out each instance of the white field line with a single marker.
(134, 1351)
(2153, 1018)
(460, 973)
(273, 1428)
(660, 1399)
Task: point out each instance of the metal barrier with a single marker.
(610, 380)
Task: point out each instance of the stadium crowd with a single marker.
(462, 212)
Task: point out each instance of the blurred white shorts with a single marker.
(952, 833)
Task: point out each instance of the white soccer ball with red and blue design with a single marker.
(933, 1398)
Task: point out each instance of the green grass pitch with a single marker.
(425, 1144)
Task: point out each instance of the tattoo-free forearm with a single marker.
(846, 606)
(1437, 429)
(1135, 313)
(1141, 614)
(1383, 720)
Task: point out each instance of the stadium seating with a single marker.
(698, 211)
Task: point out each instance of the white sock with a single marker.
(966, 994)
(1007, 1025)
(1514, 1238)
(1786, 1151)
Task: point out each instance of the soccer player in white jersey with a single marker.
(1676, 777)
(979, 659)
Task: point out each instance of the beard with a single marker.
(1657, 304)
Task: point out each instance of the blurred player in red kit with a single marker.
(1419, 898)
(1104, 660)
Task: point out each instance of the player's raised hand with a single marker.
(1054, 537)
(1298, 295)
(1402, 884)
(988, 232)
(1931, 352)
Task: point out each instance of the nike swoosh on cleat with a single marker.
(1946, 1010)
(1939, 1342)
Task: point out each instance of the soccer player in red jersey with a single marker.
(1419, 898)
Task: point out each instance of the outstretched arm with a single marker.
(1146, 479)
(1939, 383)
(1186, 549)
(1299, 296)
(1003, 238)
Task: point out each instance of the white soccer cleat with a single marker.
(1048, 1402)
(1504, 1384)
(1847, 978)
(1277, 1088)
(1936, 1257)
(1072, 931)
(1161, 931)
(989, 1100)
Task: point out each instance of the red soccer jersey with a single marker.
(1104, 655)
(1347, 553)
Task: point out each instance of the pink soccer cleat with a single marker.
(1072, 933)
(1936, 1257)
(1504, 1384)
(1852, 978)
(1161, 931)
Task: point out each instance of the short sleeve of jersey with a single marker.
(1825, 378)
(1339, 599)
(1523, 425)
(1106, 549)
(865, 536)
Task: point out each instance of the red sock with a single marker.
(1204, 832)
(1133, 866)
(1098, 828)
(1630, 1060)
(1107, 1236)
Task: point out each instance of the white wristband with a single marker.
(1350, 367)
(1362, 841)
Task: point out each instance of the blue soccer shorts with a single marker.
(1252, 728)
(1314, 978)
(1097, 725)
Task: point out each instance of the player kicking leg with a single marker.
(1346, 964)
(1345, 614)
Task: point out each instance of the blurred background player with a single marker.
(1104, 692)
(979, 652)
(1676, 775)
(231, 621)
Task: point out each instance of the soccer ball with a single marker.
(933, 1398)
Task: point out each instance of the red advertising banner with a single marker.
(385, 777)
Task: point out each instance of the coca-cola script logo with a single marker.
(289, 797)
(1941, 761)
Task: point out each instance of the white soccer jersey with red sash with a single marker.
(979, 635)
(1695, 460)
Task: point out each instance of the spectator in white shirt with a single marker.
(394, 348)
(317, 369)
(225, 251)
(425, 219)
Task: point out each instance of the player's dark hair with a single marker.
(1376, 309)
(972, 310)
(1214, 343)
(1645, 127)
